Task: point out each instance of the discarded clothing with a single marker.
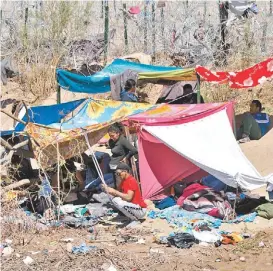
(165, 203)
(248, 204)
(231, 238)
(182, 218)
(203, 199)
(79, 221)
(214, 183)
(101, 197)
(83, 248)
(182, 240)
(265, 210)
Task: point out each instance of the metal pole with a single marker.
(234, 123)
(125, 28)
(58, 94)
(106, 30)
(271, 7)
(198, 89)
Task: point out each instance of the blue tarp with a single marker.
(46, 115)
(100, 81)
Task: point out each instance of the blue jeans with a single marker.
(95, 184)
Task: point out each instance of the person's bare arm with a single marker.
(125, 196)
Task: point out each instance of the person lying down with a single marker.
(127, 198)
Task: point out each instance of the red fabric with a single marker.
(250, 77)
(131, 184)
(160, 166)
(134, 10)
(188, 191)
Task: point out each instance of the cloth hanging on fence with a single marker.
(250, 77)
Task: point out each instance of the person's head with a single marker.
(130, 85)
(114, 131)
(255, 107)
(187, 89)
(123, 171)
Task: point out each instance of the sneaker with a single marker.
(244, 139)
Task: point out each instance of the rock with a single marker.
(156, 251)
(218, 260)
(28, 261)
(7, 251)
(69, 247)
(232, 257)
(18, 255)
(261, 244)
(242, 259)
(67, 240)
(141, 241)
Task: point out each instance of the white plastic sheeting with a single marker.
(209, 143)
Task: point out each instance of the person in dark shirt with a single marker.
(128, 93)
(122, 150)
(188, 97)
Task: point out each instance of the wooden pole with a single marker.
(145, 28)
(153, 33)
(125, 28)
(106, 30)
(102, 9)
(271, 7)
(205, 12)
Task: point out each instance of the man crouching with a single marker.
(127, 198)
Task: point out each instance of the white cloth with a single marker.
(132, 211)
(210, 144)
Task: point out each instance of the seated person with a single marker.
(128, 93)
(262, 119)
(250, 128)
(188, 97)
(127, 199)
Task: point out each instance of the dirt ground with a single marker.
(50, 252)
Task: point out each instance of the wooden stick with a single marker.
(16, 185)
(11, 116)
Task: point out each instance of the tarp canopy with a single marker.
(44, 115)
(100, 81)
(93, 119)
(250, 77)
(175, 146)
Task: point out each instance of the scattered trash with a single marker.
(182, 240)
(69, 247)
(7, 251)
(261, 244)
(242, 259)
(156, 251)
(8, 241)
(133, 224)
(18, 255)
(28, 261)
(218, 260)
(91, 229)
(246, 235)
(34, 252)
(67, 240)
(83, 248)
(108, 267)
(141, 241)
(161, 239)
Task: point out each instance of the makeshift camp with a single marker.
(175, 142)
(67, 137)
(100, 82)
